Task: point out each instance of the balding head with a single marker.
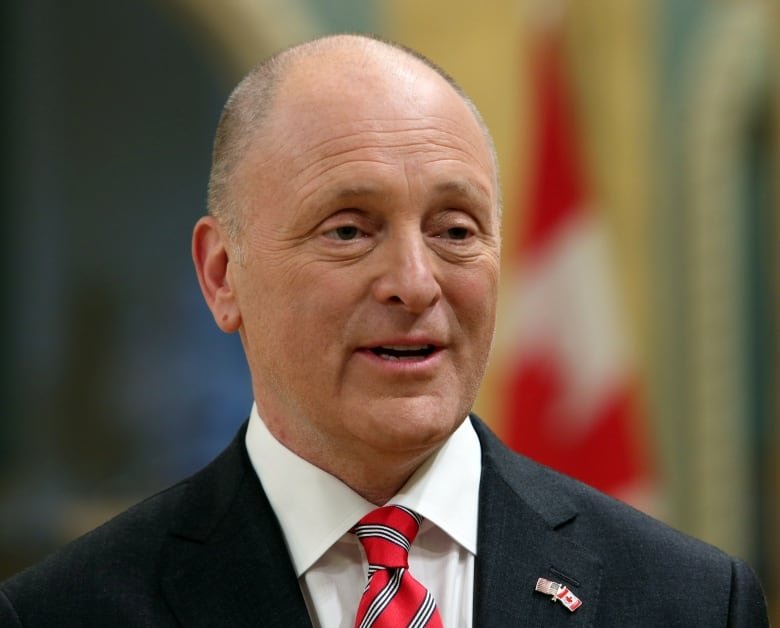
(366, 62)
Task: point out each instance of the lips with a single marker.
(403, 352)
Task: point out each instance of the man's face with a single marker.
(370, 254)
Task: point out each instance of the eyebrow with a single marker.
(354, 191)
(462, 187)
(458, 187)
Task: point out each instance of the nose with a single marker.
(408, 275)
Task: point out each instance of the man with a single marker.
(353, 242)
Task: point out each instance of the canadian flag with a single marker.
(570, 393)
(569, 600)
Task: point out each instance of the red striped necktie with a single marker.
(392, 598)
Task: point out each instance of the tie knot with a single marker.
(386, 535)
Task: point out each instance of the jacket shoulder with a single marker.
(112, 573)
(644, 563)
(585, 514)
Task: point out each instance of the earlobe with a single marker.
(211, 257)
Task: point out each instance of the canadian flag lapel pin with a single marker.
(558, 593)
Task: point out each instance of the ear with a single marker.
(211, 257)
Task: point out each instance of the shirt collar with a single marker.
(444, 491)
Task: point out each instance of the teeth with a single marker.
(403, 352)
(390, 356)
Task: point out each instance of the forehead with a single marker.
(350, 110)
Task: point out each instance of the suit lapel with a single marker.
(227, 562)
(521, 537)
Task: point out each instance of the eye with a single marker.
(344, 233)
(457, 233)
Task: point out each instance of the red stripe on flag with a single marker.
(570, 409)
(597, 447)
(557, 188)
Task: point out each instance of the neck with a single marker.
(374, 475)
(378, 482)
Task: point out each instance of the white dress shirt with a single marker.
(316, 512)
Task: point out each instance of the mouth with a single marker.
(404, 352)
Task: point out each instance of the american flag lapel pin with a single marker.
(558, 593)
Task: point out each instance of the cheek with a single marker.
(473, 295)
(318, 304)
(278, 280)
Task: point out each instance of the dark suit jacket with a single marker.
(209, 552)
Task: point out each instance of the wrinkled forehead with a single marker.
(326, 97)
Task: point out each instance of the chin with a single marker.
(412, 429)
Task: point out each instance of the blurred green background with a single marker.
(115, 382)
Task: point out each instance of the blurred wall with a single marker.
(116, 380)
